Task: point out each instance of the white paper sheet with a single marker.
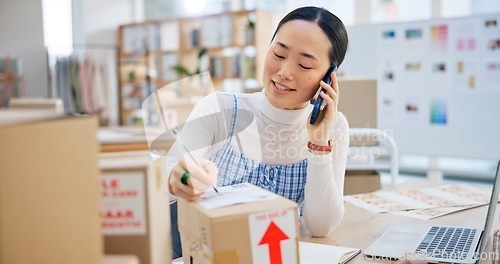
(313, 253)
(234, 194)
(424, 203)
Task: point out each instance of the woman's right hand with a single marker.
(201, 178)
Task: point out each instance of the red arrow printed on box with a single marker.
(273, 237)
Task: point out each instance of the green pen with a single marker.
(176, 133)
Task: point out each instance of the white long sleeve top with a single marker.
(277, 137)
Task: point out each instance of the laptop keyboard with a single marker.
(447, 242)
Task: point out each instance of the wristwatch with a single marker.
(314, 147)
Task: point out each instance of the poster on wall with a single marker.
(439, 38)
(412, 110)
(389, 38)
(492, 36)
(438, 112)
(415, 39)
(465, 38)
(491, 70)
(490, 67)
(413, 74)
(438, 74)
(389, 71)
(387, 108)
(465, 75)
(123, 203)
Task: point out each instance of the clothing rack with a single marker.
(69, 79)
(80, 47)
(11, 79)
(102, 46)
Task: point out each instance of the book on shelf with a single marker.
(127, 39)
(153, 39)
(210, 25)
(226, 30)
(237, 66)
(246, 66)
(169, 36)
(168, 61)
(250, 67)
(195, 37)
(133, 39)
(220, 28)
(313, 253)
(215, 67)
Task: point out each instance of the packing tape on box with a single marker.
(203, 254)
(227, 257)
(200, 252)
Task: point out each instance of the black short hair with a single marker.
(329, 23)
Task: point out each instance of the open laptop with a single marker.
(441, 244)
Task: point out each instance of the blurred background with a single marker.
(130, 47)
(419, 87)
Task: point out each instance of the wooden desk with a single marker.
(359, 227)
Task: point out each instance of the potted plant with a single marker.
(250, 31)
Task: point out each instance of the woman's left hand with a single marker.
(319, 133)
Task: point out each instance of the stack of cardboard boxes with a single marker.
(49, 192)
(358, 102)
(135, 211)
(50, 187)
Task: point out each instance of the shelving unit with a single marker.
(383, 156)
(230, 45)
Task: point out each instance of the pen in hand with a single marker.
(176, 134)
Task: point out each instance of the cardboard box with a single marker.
(358, 102)
(121, 139)
(361, 181)
(120, 259)
(135, 212)
(244, 233)
(52, 104)
(49, 196)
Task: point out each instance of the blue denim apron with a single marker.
(286, 180)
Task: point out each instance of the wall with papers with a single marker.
(438, 83)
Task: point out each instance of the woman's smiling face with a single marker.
(295, 63)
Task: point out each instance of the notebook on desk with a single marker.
(441, 244)
(312, 253)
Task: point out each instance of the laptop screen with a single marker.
(490, 217)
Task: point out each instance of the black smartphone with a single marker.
(316, 108)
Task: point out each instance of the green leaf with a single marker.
(251, 24)
(131, 76)
(181, 70)
(202, 52)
